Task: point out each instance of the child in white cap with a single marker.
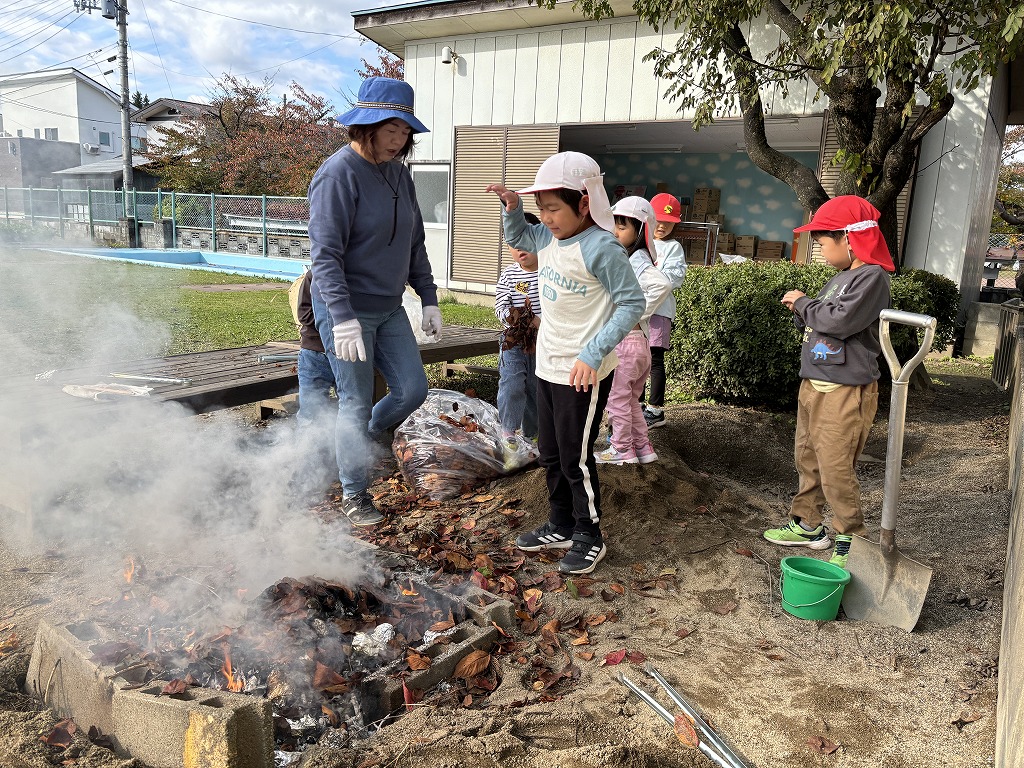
(590, 299)
(630, 444)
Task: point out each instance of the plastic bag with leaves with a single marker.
(452, 444)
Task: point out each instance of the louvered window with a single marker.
(487, 155)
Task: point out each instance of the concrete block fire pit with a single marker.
(211, 728)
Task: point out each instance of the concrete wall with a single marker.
(34, 159)
(1010, 703)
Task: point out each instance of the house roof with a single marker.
(112, 167)
(392, 27)
(171, 105)
(49, 75)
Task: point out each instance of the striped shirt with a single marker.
(514, 286)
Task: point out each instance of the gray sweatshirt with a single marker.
(840, 327)
(357, 264)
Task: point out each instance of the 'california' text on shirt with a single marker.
(575, 286)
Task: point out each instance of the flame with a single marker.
(129, 570)
(234, 683)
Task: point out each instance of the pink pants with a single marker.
(629, 429)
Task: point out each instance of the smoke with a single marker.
(207, 495)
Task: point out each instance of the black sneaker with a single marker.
(360, 510)
(548, 536)
(654, 419)
(587, 551)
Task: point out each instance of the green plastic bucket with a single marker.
(812, 589)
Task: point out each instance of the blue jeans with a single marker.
(517, 391)
(390, 348)
(316, 377)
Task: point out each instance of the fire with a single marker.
(129, 570)
(234, 683)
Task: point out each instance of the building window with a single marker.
(105, 139)
(138, 144)
(35, 132)
(51, 134)
(431, 182)
(12, 148)
(20, 133)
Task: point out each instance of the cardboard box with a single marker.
(726, 242)
(699, 210)
(715, 218)
(746, 245)
(770, 249)
(707, 194)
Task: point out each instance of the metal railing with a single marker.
(1004, 363)
(220, 220)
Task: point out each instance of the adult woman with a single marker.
(367, 244)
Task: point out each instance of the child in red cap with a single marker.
(839, 368)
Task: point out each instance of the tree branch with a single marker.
(1007, 216)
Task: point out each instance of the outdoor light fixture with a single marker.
(448, 55)
(644, 147)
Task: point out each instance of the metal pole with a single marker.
(7, 204)
(60, 215)
(213, 220)
(88, 198)
(128, 179)
(135, 216)
(263, 208)
(174, 220)
(31, 208)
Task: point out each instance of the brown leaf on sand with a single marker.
(821, 745)
(725, 608)
(683, 632)
(965, 717)
(744, 552)
(685, 732)
(327, 680)
(613, 658)
(585, 655)
(472, 664)
(62, 734)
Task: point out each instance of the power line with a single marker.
(61, 29)
(259, 23)
(61, 114)
(41, 21)
(153, 35)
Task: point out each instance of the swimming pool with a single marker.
(231, 263)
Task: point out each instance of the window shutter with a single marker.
(829, 175)
(526, 147)
(476, 216)
(486, 155)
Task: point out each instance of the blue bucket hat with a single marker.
(380, 99)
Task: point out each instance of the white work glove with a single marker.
(432, 321)
(348, 341)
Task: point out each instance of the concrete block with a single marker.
(202, 727)
(982, 329)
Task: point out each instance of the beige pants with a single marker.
(831, 430)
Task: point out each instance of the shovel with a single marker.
(886, 586)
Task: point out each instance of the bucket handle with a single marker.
(807, 605)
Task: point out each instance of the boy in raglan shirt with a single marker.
(590, 299)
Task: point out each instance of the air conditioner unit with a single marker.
(91, 149)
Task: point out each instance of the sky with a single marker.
(178, 48)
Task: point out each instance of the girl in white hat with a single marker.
(630, 444)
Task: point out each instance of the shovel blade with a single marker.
(886, 589)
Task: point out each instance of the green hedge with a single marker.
(734, 341)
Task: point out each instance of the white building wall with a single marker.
(588, 72)
(40, 105)
(96, 113)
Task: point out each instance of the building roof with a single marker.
(49, 75)
(393, 26)
(172, 106)
(112, 167)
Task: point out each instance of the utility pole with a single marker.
(118, 10)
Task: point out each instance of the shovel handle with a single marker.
(898, 409)
(901, 372)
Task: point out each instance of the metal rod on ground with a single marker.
(283, 358)
(702, 727)
(667, 716)
(153, 379)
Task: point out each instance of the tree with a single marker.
(140, 100)
(1009, 208)
(247, 143)
(919, 51)
(386, 65)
